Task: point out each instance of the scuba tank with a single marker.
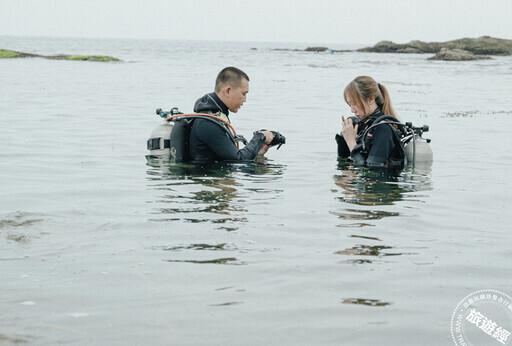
(417, 150)
(159, 143)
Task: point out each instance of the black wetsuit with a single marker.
(384, 149)
(210, 142)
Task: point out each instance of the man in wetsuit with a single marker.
(211, 142)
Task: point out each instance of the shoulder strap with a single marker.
(397, 127)
(211, 117)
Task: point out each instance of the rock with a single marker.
(102, 58)
(13, 54)
(5, 54)
(288, 50)
(484, 45)
(456, 55)
(316, 49)
(383, 47)
(391, 47)
(410, 50)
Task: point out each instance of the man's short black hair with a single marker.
(230, 76)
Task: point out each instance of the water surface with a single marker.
(99, 247)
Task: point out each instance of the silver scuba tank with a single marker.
(158, 143)
(418, 152)
(169, 141)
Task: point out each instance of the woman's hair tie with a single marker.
(378, 84)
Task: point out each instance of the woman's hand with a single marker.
(349, 132)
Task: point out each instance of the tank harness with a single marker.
(176, 138)
(407, 138)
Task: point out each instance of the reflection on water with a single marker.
(196, 247)
(227, 260)
(362, 301)
(17, 339)
(356, 214)
(227, 304)
(368, 250)
(375, 193)
(365, 250)
(364, 237)
(363, 186)
(370, 188)
(208, 247)
(18, 219)
(208, 193)
(15, 226)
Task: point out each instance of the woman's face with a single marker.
(357, 110)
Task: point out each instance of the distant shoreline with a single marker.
(10, 54)
(455, 50)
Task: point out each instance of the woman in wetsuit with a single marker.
(368, 100)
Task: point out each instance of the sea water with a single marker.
(98, 246)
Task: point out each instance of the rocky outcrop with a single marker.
(101, 58)
(316, 49)
(391, 47)
(456, 50)
(456, 55)
(13, 54)
(484, 45)
(409, 50)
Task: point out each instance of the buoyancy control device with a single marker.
(169, 140)
(415, 148)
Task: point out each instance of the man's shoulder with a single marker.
(207, 124)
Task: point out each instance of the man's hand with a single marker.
(263, 149)
(269, 136)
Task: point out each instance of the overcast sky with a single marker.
(323, 21)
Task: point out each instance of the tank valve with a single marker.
(164, 114)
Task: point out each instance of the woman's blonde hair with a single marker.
(363, 88)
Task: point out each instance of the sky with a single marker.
(322, 21)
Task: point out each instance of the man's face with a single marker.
(235, 98)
